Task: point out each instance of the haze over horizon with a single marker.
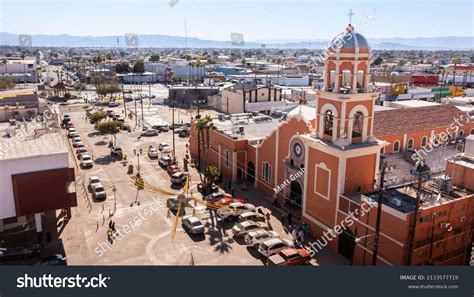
(259, 21)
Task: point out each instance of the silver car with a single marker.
(243, 228)
(192, 224)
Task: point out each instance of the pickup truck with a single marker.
(234, 210)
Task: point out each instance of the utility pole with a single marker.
(136, 114)
(413, 223)
(174, 127)
(379, 213)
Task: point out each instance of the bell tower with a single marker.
(345, 107)
(342, 156)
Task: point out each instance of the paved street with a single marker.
(150, 242)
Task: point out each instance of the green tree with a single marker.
(97, 116)
(122, 67)
(154, 58)
(210, 174)
(139, 67)
(6, 83)
(109, 128)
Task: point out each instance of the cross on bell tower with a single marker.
(350, 14)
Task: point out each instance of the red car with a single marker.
(69, 125)
(228, 200)
(172, 169)
(290, 257)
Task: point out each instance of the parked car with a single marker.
(71, 132)
(172, 169)
(110, 112)
(254, 238)
(98, 192)
(113, 104)
(184, 133)
(173, 202)
(116, 151)
(52, 260)
(77, 142)
(252, 216)
(67, 116)
(80, 151)
(192, 224)
(274, 246)
(163, 145)
(165, 161)
(86, 160)
(93, 180)
(234, 210)
(152, 152)
(150, 132)
(126, 126)
(179, 178)
(290, 257)
(245, 227)
(69, 125)
(16, 253)
(217, 196)
(228, 200)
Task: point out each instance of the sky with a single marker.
(256, 19)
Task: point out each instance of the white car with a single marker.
(80, 151)
(117, 151)
(98, 192)
(165, 161)
(192, 224)
(243, 228)
(113, 104)
(71, 132)
(86, 160)
(162, 146)
(152, 152)
(234, 210)
(150, 132)
(252, 216)
(179, 177)
(77, 142)
(274, 246)
(93, 180)
(254, 238)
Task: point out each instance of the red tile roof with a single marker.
(407, 120)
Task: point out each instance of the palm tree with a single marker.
(4, 62)
(203, 125)
(24, 69)
(210, 174)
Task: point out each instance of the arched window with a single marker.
(396, 146)
(346, 78)
(358, 125)
(472, 131)
(328, 122)
(424, 140)
(410, 144)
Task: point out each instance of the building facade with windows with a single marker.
(339, 154)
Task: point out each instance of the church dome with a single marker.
(349, 40)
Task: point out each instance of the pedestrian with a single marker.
(113, 227)
(301, 235)
(282, 219)
(305, 228)
(110, 224)
(289, 217)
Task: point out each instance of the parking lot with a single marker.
(143, 213)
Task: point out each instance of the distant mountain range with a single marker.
(157, 40)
